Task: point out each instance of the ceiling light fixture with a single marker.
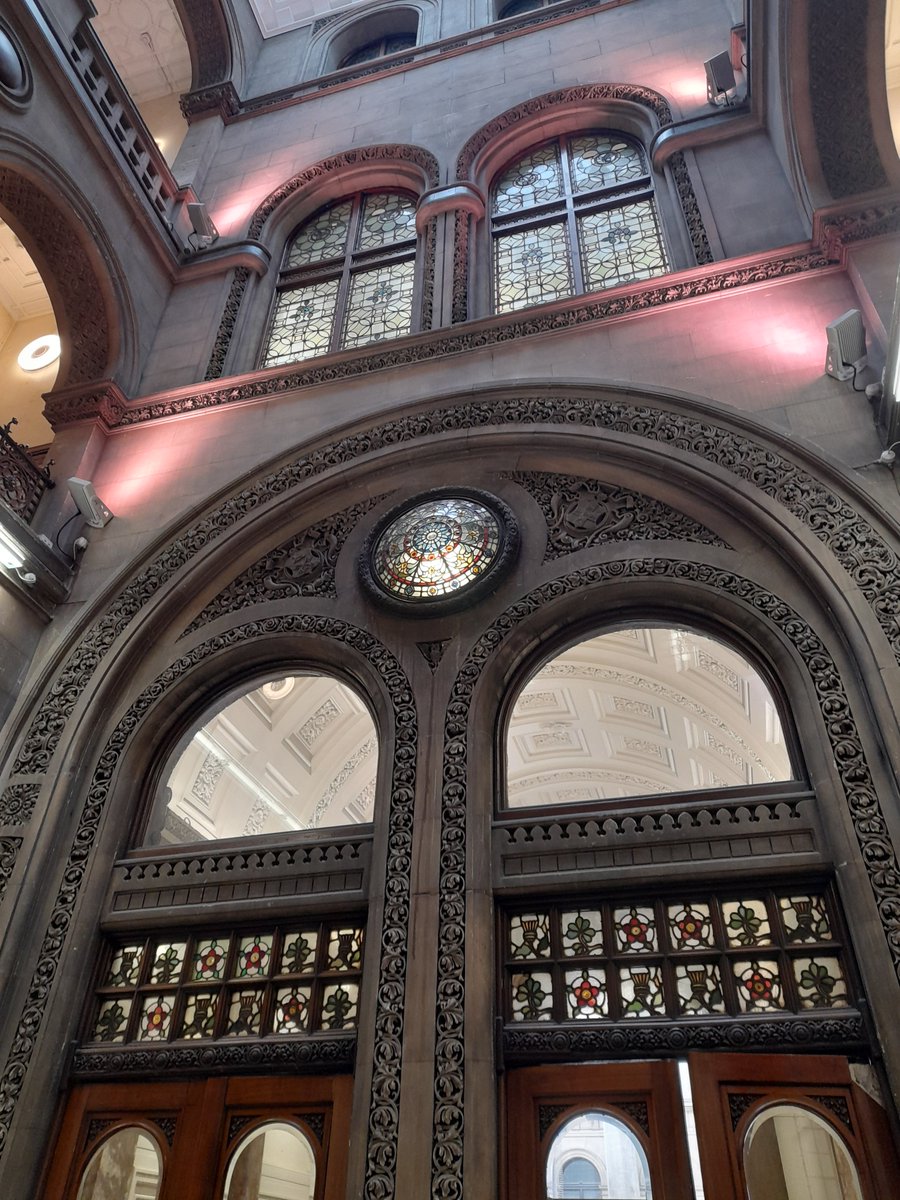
(42, 352)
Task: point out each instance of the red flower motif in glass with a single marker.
(586, 993)
(758, 986)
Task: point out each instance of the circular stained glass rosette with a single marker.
(437, 549)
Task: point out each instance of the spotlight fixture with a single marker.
(202, 225)
(846, 353)
(720, 80)
(11, 554)
(42, 352)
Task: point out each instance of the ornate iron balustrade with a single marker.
(21, 483)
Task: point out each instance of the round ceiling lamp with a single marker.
(42, 352)
(440, 550)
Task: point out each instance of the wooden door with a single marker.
(731, 1091)
(198, 1126)
(644, 1097)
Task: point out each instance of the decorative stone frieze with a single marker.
(9, 850)
(161, 1062)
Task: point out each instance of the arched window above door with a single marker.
(574, 215)
(127, 1164)
(795, 1154)
(593, 1155)
(274, 1161)
(642, 711)
(347, 278)
(294, 752)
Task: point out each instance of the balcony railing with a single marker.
(21, 483)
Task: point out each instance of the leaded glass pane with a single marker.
(199, 1015)
(436, 548)
(758, 986)
(302, 323)
(380, 304)
(532, 267)
(529, 936)
(582, 932)
(244, 1011)
(125, 966)
(746, 923)
(599, 162)
(635, 928)
(345, 949)
(298, 954)
(535, 179)
(621, 245)
(339, 1005)
(167, 962)
(156, 1018)
(690, 926)
(387, 219)
(805, 919)
(322, 238)
(112, 1020)
(586, 994)
(699, 988)
(254, 956)
(642, 994)
(291, 1010)
(209, 959)
(532, 996)
(820, 983)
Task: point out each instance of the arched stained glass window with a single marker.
(518, 8)
(574, 215)
(391, 43)
(348, 278)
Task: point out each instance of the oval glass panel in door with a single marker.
(128, 1166)
(274, 1162)
(594, 1155)
(792, 1154)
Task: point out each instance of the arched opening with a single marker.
(274, 1162)
(595, 1156)
(294, 752)
(128, 1164)
(793, 1154)
(640, 711)
(386, 32)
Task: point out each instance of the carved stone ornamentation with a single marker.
(61, 258)
(638, 1111)
(207, 32)
(218, 97)
(315, 1123)
(738, 1103)
(636, 1039)
(876, 849)
(161, 1062)
(547, 1114)
(167, 1126)
(17, 803)
(9, 849)
(433, 652)
(301, 567)
(838, 1105)
(584, 512)
(392, 952)
(423, 159)
(97, 1126)
(103, 402)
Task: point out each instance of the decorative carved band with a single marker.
(9, 850)
(555, 1043)
(17, 803)
(391, 991)
(876, 849)
(94, 1062)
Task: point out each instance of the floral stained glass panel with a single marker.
(322, 238)
(621, 245)
(167, 962)
(291, 1010)
(690, 926)
(156, 1018)
(339, 1005)
(699, 989)
(112, 1020)
(209, 959)
(820, 983)
(387, 219)
(254, 956)
(582, 932)
(746, 923)
(805, 919)
(600, 162)
(302, 323)
(529, 936)
(586, 997)
(642, 990)
(758, 986)
(635, 929)
(298, 954)
(532, 996)
(199, 1015)
(536, 179)
(532, 267)
(380, 304)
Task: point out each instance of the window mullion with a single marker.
(343, 294)
(571, 220)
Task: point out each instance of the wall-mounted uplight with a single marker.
(42, 352)
(11, 555)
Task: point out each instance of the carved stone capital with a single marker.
(456, 197)
(103, 402)
(221, 98)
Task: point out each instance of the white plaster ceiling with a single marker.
(22, 291)
(146, 43)
(642, 712)
(278, 16)
(892, 64)
(296, 753)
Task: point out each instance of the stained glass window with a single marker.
(437, 548)
(283, 981)
(391, 43)
(348, 278)
(573, 216)
(676, 958)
